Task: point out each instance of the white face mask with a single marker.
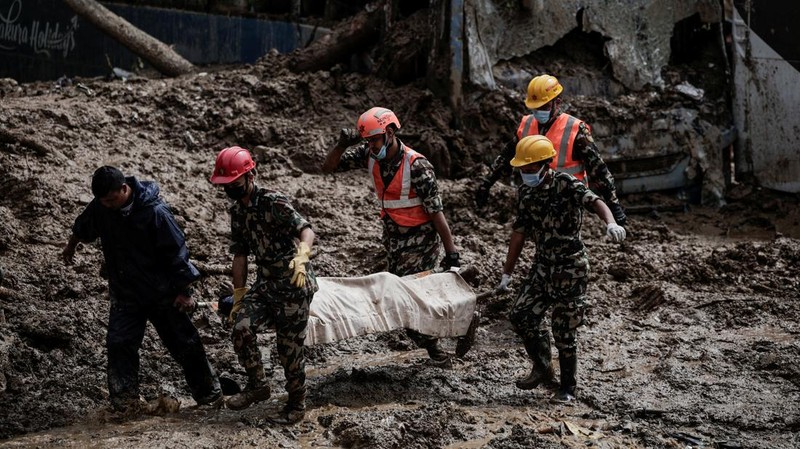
(534, 179)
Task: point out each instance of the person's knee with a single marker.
(565, 340)
(524, 321)
(241, 336)
(116, 340)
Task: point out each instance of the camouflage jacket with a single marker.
(268, 228)
(552, 214)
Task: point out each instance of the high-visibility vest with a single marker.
(562, 133)
(399, 199)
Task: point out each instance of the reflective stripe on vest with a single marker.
(562, 133)
(403, 205)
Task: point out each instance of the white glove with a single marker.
(615, 232)
(504, 281)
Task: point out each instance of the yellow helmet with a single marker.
(531, 149)
(541, 90)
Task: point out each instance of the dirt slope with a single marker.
(692, 334)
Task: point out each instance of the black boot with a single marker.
(569, 368)
(542, 372)
(438, 357)
(465, 342)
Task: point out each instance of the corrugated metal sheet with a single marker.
(45, 39)
(767, 91)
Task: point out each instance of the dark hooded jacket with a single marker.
(145, 251)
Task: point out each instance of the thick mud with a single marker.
(691, 339)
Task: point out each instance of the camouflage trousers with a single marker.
(564, 289)
(411, 250)
(278, 304)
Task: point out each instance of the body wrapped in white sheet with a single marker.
(438, 304)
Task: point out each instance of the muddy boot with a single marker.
(249, 396)
(288, 415)
(566, 392)
(214, 400)
(128, 404)
(542, 371)
(465, 342)
(438, 357)
(256, 390)
(293, 412)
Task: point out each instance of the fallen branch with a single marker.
(211, 270)
(355, 36)
(611, 370)
(158, 54)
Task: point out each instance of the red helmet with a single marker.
(375, 121)
(231, 164)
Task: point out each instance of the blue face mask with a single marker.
(382, 153)
(541, 116)
(533, 179)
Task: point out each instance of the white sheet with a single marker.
(438, 304)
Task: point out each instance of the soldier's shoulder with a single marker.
(270, 197)
(270, 194)
(565, 181)
(422, 163)
(563, 176)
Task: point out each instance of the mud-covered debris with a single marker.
(648, 297)
(690, 91)
(163, 405)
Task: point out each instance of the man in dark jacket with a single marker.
(149, 278)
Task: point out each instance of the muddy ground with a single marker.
(691, 340)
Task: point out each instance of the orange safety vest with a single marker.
(399, 199)
(562, 133)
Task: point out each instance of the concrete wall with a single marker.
(638, 32)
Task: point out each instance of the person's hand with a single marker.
(504, 281)
(68, 255)
(348, 137)
(615, 232)
(619, 213)
(298, 264)
(451, 260)
(482, 194)
(184, 303)
(238, 294)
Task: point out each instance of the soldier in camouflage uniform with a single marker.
(577, 153)
(550, 211)
(264, 224)
(414, 225)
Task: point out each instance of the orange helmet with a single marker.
(231, 164)
(375, 121)
(541, 90)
